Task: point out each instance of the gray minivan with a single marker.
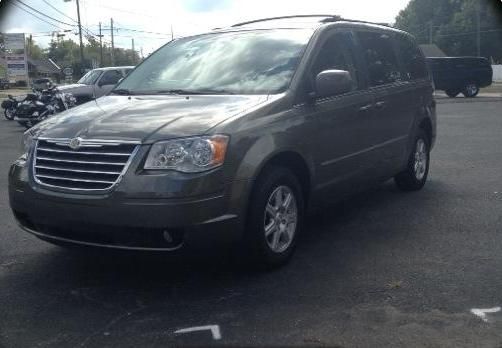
(231, 134)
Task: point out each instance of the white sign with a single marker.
(14, 41)
(15, 57)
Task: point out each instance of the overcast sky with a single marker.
(185, 16)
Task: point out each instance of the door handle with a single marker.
(380, 104)
(365, 108)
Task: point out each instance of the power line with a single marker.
(138, 31)
(43, 14)
(61, 12)
(39, 18)
(86, 29)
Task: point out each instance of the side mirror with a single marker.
(333, 82)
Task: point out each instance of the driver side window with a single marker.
(110, 77)
(336, 54)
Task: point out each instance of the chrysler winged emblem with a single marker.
(75, 143)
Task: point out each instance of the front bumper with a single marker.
(127, 218)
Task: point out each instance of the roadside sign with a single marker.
(15, 57)
(68, 71)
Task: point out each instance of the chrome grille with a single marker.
(86, 165)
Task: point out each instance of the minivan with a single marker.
(232, 135)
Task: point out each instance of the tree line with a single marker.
(66, 53)
(453, 25)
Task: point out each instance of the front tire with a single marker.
(452, 93)
(417, 170)
(471, 90)
(275, 218)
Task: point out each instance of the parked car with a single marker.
(235, 133)
(96, 83)
(4, 83)
(41, 84)
(465, 75)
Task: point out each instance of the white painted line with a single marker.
(215, 330)
(482, 312)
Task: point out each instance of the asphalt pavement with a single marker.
(382, 269)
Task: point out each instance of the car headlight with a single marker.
(26, 145)
(188, 155)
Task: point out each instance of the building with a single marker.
(38, 68)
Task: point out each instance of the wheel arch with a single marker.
(293, 161)
(426, 126)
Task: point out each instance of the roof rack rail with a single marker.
(328, 18)
(363, 22)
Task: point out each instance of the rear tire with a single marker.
(9, 114)
(274, 220)
(452, 93)
(471, 90)
(417, 170)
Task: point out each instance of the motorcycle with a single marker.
(39, 106)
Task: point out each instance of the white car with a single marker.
(96, 83)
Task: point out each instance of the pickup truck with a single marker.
(96, 83)
(465, 75)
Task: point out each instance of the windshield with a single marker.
(90, 78)
(258, 62)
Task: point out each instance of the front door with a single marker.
(345, 122)
(393, 112)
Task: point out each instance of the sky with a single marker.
(156, 17)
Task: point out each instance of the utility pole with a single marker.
(30, 45)
(172, 33)
(133, 52)
(100, 46)
(431, 30)
(478, 28)
(113, 44)
(80, 36)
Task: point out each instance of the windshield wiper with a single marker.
(121, 91)
(176, 91)
(194, 92)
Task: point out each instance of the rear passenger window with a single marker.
(337, 54)
(381, 59)
(412, 59)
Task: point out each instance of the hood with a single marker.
(78, 89)
(67, 88)
(146, 118)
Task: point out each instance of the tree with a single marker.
(34, 51)
(452, 25)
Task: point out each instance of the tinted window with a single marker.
(110, 77)
(412, 59)
(252, 62)
(336, 54)
(90, 78)
(380, 58)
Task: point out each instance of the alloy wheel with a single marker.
(421, 159)
(281, 219)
